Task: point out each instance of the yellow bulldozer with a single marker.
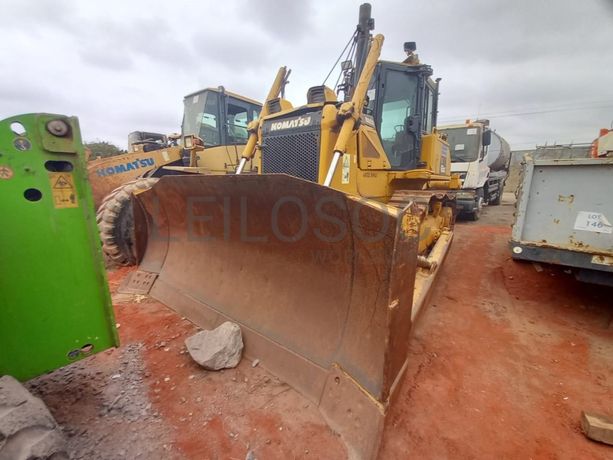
(214, 133)
(326, 256)
(146, 151)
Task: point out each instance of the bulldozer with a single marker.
(214, 120)
(146, 151)
(327, 255)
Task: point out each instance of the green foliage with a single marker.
(102, 149)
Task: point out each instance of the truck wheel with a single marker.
(27, 428)
(116, 222)
(496, 201)
(476, 213)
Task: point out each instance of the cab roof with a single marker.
(229, 93)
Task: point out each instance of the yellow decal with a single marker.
(63, 190)
(346, 168)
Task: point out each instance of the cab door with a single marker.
(398, 118)
(238, 114)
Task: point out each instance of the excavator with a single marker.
(214, 120)
(327, 255)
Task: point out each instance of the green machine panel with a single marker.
(55, 305)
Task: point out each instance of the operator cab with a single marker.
(218, 117)
(402, 101)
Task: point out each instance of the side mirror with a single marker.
(487, 137)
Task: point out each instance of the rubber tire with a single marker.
(27, 428)
(496, 201)
(476, 214)
(116, 222)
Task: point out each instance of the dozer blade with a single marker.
(321, 283)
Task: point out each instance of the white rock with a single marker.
(218, 349)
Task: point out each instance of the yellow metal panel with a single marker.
(372, 154)
(106, 174)
(435, 153)
(221, 159)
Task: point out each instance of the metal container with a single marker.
(498, 153)
(564, 216)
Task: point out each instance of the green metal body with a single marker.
(55, 305)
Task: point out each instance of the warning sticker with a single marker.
(593, 222)
(5, 172)
(346, 165)
(63, 190)
(471, 131)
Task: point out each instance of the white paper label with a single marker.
(346, 163)
(195, 98)
(459, 147)
(593, 222)
(471, 131)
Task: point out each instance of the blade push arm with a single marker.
(275, 90)
(350, 111)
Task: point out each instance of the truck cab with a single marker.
(468, 144)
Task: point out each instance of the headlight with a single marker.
(465, 195)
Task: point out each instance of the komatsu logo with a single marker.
(125, 167)
(288, 124)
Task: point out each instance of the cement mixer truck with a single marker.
(481, 157)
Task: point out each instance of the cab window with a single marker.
(209, 120)
(399, 93)
(255, 112)
(240, 114)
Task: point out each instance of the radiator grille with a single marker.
(296, 154)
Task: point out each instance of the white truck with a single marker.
(481, 157)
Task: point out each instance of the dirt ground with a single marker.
(503, 361)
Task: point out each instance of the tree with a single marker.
(103, 149)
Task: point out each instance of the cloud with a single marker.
(123, 66)
(238, 52)
(285, 20)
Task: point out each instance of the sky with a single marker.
(540, 70)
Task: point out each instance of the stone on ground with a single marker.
(218, 349)
(597, 427)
